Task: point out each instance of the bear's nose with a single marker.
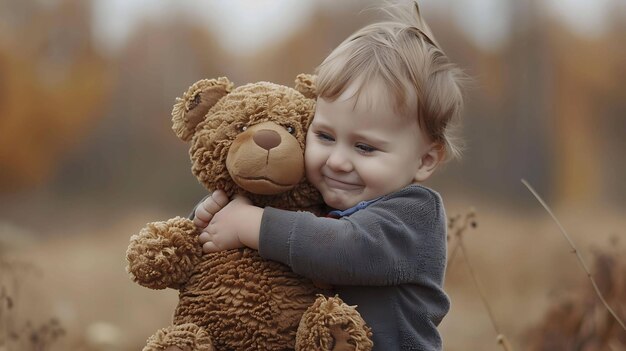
(267, 139)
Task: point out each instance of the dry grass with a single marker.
(524, 267)
(17, 333)
(82, 283)
(579, 321)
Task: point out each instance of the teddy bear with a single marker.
(247, 140)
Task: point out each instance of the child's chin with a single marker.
(338, 203)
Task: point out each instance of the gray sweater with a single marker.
(388, 259)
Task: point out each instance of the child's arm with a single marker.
(231, 224)
(400, 239)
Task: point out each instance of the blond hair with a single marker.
(403, 54)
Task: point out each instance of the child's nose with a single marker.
(338, 161)
(266, 138)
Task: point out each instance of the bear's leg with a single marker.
(184, 337)
(331, 325)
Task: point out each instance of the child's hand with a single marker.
(229, 226)
(209, 207)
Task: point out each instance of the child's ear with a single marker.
(429, 162)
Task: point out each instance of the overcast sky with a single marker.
(245, 25)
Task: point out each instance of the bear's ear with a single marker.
(192, 108)
(305, 84)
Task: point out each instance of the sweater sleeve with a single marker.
(399, 239)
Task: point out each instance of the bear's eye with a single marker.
(290, 129)
(243, 128)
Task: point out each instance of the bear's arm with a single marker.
(164, 253)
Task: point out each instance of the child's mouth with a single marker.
(338, 184)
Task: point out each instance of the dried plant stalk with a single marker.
(575, 251)
(506, 345)
(469, 220)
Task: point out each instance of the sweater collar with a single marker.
(361, 205)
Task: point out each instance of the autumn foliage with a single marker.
(52, 88)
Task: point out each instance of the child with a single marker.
(388, 96)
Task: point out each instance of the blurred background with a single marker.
(87, 154)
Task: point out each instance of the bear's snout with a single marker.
(266, 138)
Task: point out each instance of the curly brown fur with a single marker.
(198, 99)
(164, 254)
(347, 329)
(246, 302)
(184, 337)
(305, 84)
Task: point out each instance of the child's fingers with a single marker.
(212, 205)
(209, 247)
(203, 216)
(220, 198)
(208, 241)
(204, 237)
(209, 207)
(199, 223)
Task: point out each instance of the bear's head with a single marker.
(250, 140)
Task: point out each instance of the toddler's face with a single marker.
(360, 149)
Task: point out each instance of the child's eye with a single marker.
(324, 136)
(364, 148)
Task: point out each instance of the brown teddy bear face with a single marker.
(250, 141)
(266, 159)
